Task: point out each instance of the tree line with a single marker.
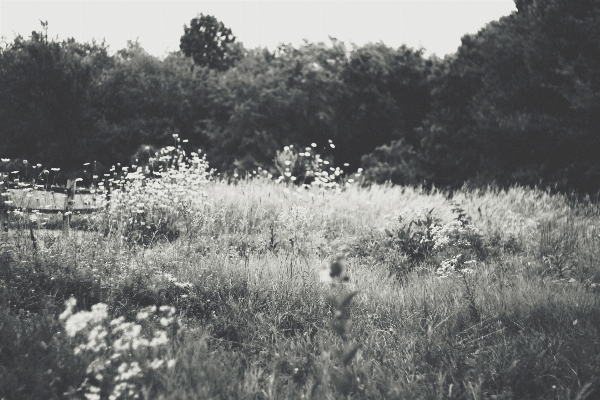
(519, 102)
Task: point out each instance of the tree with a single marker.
(519, 101)
(45, 98)
(209, 43)
(145, 101)
(273, 99)
(387, 96)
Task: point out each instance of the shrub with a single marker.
(415, 238)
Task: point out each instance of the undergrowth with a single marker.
(269, 290)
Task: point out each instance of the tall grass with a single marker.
(242, 262)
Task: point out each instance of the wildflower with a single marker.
(92, 396)
(128, 371)
(72, 302)
(313, 145)
(142, 315)
(325, 276)
(160, 338)
(171, 363)
(156, 363)
(167, 309)
(80, 321)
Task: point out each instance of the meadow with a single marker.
(194, 286)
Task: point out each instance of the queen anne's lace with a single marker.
(117, 346)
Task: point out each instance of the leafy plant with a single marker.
(414, 239)
(142, 231)
(342, 377)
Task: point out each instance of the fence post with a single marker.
(3, 208)
(108, 187)
(69, 205)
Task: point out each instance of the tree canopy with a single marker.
(209, 43)
(519, 102)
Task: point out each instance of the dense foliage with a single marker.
(517, 103)
(208, 42)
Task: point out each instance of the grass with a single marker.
(253, 316)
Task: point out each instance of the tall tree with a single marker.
(387, 98)
(145, 101)
(45, 98)
(209, 43)
(519, 101)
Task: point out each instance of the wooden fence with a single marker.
(69, 198)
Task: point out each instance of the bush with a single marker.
(397, 163)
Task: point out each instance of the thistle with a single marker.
(342, 376)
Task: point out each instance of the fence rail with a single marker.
(53, 189)
(67, 209)
(90, 210)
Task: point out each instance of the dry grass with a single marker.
(243, 274)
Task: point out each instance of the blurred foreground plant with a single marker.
(123, 358)
(341, 377)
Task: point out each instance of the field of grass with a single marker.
(489, 295)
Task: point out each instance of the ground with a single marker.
(489, 295)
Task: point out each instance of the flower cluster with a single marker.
(455, 264)
(450, 239)
(455, 233)
(310, 169)
(121, 352)
(170, 278)
(155, 201)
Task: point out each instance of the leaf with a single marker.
(349, 354)
(345, 301)
(342, 381)
(340, 329)
(336, 269)
(333, 301)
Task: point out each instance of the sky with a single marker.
(435, 25)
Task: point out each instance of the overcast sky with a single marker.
(436, 25)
